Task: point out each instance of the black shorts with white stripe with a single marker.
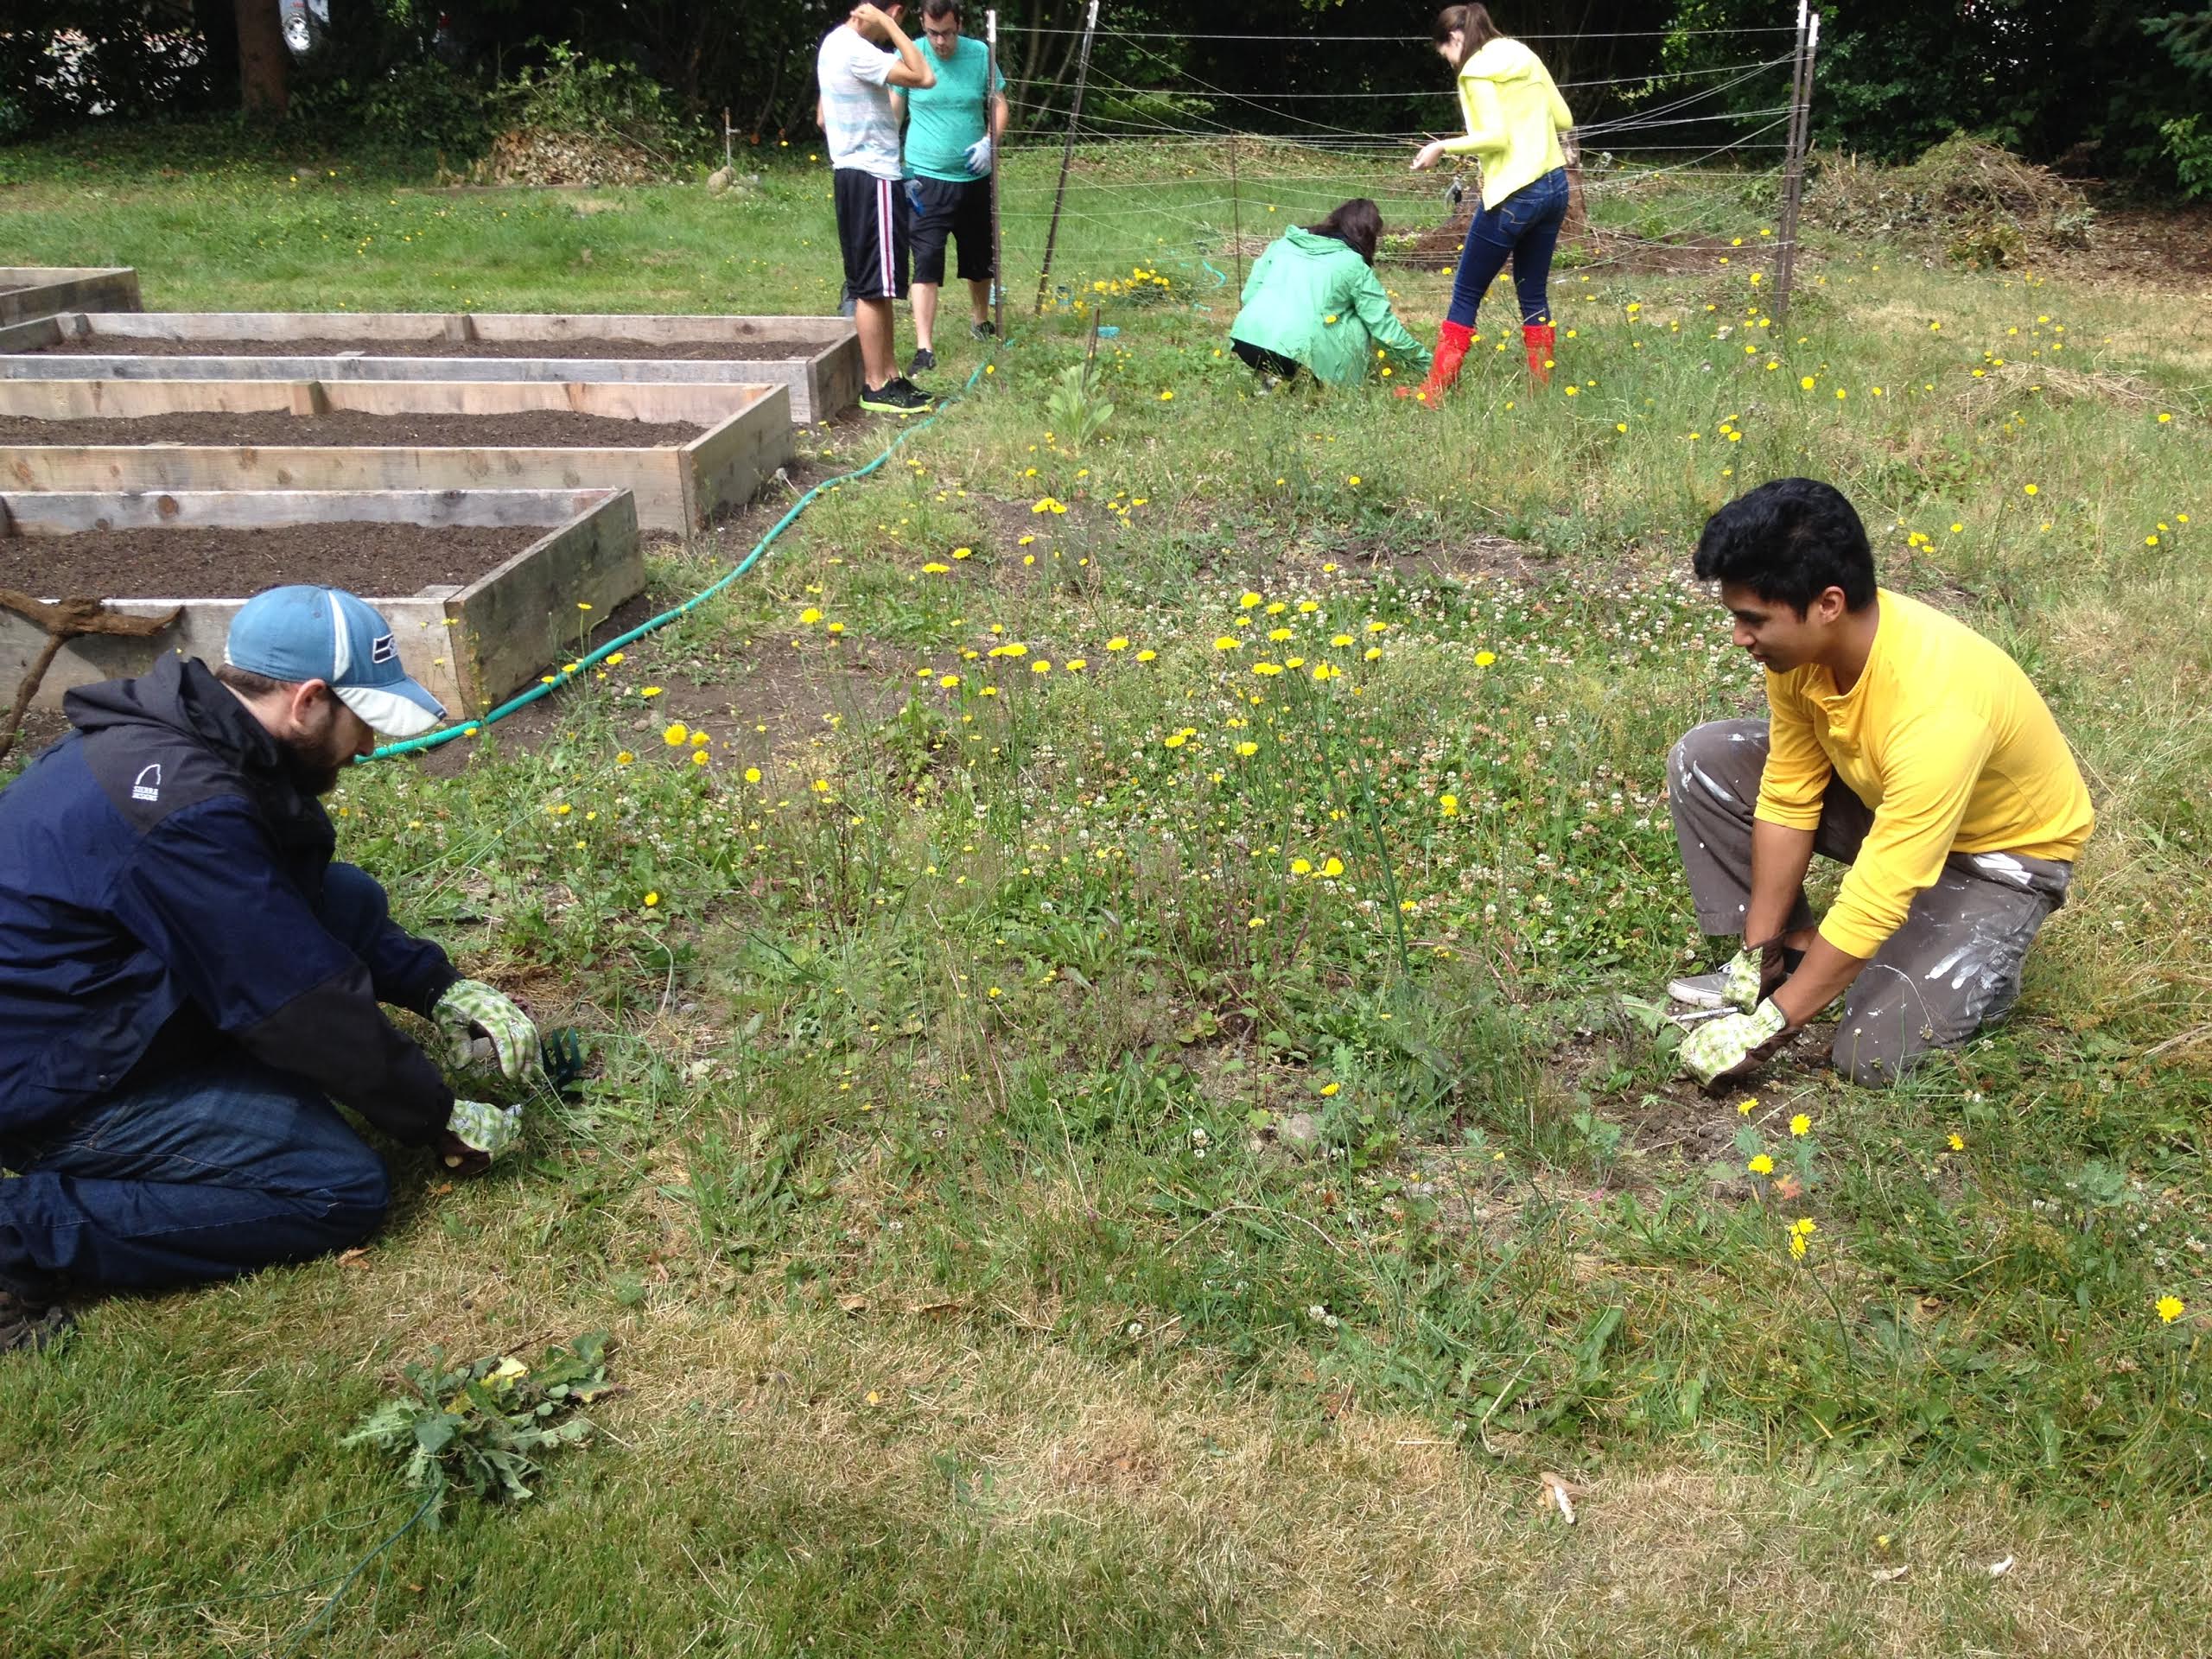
(872, 229)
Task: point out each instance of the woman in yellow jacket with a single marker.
(1515, 115)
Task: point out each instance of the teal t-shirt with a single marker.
(943, 120)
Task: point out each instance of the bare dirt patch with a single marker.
(2147, 247)
(1473, 555)
(535, 429)
(374, 560)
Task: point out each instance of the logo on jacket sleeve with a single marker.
(147, 785)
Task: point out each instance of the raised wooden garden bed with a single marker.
(507, 571)
(29, 291)
(818, 358)
(709, 446)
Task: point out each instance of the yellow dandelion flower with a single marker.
(2170, 1308)
(1247, 748)
(1484, 658)
(1228, 642)
(753, 774)
(1147, 656)
(1301, 867)
(1448, 805)
(623, 758)
(676, 735)
(1760, 1164)
(1119, 642)
(1332, 867)
(652, 899)
(810, 615)
(1800, 1124)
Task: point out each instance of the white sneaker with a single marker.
(1699, 990)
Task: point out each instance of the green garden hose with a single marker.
(561, 677)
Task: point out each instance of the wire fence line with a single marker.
(1205, 187)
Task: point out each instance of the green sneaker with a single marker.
(897, 396)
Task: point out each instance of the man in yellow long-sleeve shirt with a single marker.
(1900, 742)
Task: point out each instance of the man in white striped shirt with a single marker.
(855, 75)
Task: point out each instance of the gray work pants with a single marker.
(1952, 968)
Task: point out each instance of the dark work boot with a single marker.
(30, 1321)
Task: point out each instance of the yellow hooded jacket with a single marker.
(1514, 114)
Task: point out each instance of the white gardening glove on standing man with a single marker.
(979, 158)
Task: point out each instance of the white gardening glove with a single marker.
(470, 1009)
(979, 156)
(486, 1131)
(1734, 1045)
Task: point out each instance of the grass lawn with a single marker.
(1127, 1114)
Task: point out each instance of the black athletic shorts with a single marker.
(961, 211)
(872, 229)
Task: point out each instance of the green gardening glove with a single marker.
(1740, 981)
(1733, 1046)
(482, 1129)
(471, 1009)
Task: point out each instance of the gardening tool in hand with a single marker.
(560, 1058)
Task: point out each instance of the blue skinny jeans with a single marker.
(1524, 228)
(209, 1171)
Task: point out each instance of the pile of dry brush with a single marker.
(1976, 204)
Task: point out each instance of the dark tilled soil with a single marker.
(738, 351)
(386, 561)
(537, 429)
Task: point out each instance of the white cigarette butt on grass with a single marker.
(1562, 1494)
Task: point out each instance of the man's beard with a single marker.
(308, 770)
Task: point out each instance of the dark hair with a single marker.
(1357, 224)
(247, 683)
(934, 8)
(1790, 541)
(1472, 23)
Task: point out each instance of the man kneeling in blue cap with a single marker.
(187, 981)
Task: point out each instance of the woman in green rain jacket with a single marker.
(1312, 299)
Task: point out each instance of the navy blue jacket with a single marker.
(160, 879)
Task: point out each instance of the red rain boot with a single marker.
(1539, 337)
(1452, 340)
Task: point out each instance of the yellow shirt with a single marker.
(1514, 114)
(1945, 740)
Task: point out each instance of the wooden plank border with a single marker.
(42, 290)
(472, 647)
(678, 487)
(822, 381)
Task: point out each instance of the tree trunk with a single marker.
(264, 65)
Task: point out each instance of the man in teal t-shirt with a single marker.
(952, 133)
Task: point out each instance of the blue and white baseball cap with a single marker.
(300, 634)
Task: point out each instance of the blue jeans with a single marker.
(213, 1171)
(1524, 227)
